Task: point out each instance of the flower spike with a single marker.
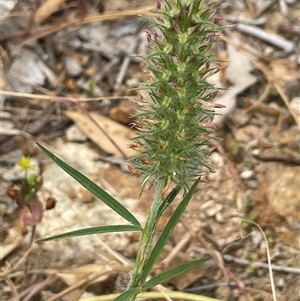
(175, 128)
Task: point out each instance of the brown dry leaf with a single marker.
(47, 9)
(72, 277)
(120, 134)
(123, 112)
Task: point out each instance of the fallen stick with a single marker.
(273, 39)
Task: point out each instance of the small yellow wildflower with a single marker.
(25, 163)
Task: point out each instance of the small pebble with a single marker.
(219, 217)
(207, 204)
(73, 67)
(73, 134)
(252, 184)
(256, 152)
(245, 297)
(256, 238)
(246, 174)
(217, 160)
(211, 208)
(281, 283)
(223, 293)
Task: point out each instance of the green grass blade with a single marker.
(127, 294)
(94, 230)
(93, 188)
(167, 232)
(180, 269)
(168, 200)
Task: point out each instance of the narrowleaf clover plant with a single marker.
(175, 130)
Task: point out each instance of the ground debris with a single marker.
(71, 62)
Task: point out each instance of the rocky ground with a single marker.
(61, 59)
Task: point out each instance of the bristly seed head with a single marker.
(176, 133)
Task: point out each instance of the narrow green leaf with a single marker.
(94, 230)
(93, 188)
(127, 294)
(180, 269)
(167, 232)
(168, 200)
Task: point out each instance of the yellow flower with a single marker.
(25, 163)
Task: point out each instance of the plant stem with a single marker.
(148, 234)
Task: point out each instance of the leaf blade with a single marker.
(168, 200)
(93, 188)
(180, 269)
(93, 230)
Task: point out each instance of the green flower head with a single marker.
(175, 123)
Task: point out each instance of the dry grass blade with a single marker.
(46, 9)
(13, 289)
(59, 98)
(155, 296)
(79, 284)
(263, 96)
(4, 273)
(47, 30)
(173, 253)
(268, 256)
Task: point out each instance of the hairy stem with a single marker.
(146, 243)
